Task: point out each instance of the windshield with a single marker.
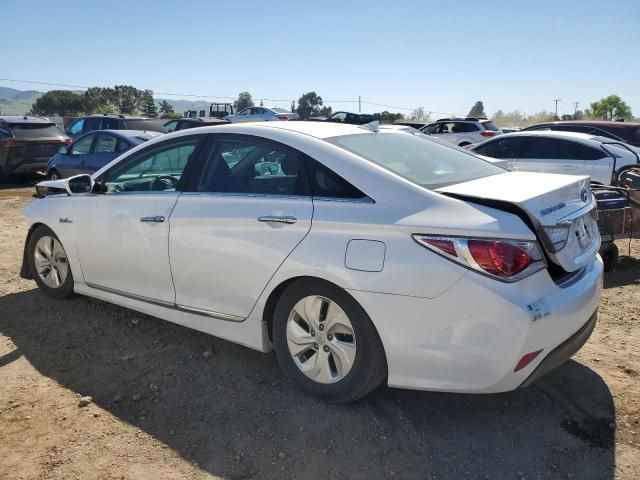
(417, 158)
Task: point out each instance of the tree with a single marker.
(126, 98)
(148, 105)
(293, 105)
(477, 110)
(309, 105)
(244, 100)
(610, 108)
(98, 100)
(419, 115)
(59, 102)
(387, 117)
(166, 110)
(325, 111)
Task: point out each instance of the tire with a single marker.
(49, 264)
(341, 368)
(609, 253)
(54, 175)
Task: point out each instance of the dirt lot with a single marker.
(172, 403)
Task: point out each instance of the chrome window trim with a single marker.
(365, 199)
(171, 305)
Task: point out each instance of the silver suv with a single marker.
(462, 131)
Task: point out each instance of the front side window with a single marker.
(92, 124)
(76, 127)
(154, 170)
(252, 167)
(431, 129)
(550, 148)
(499, 148)
(338, 117)
(82, 146)
(417, 158)
(106, 144)
(246, 111)
(171, 126)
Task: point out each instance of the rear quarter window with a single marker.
(35, 130)
(490, 126)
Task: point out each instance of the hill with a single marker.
(18, 102)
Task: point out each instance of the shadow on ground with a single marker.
(235, 414)
(626, 271)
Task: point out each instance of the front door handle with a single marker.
(157, 219)
(278, 219)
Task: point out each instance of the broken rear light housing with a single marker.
(502, 259)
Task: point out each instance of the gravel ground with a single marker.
(168, 402)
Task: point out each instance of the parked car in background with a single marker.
(94, 150)
(349, 254)
(90, 123)
(184, 123)
(562, 152)
(628, 132)
(462, 131)
(510, 129)
(212, 110)
(26, 144)
(408, 123)
(262, 114)
(345, 117)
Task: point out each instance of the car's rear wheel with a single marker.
(326, 343)
(49, 263)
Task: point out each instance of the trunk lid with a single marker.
(548, 203)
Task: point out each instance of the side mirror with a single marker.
(64, 150)
(79, 184)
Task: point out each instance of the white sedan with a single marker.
(361, 255)
(262, 114)
(603, 159)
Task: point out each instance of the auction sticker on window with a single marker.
(538, 310)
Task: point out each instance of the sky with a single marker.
(443, 56)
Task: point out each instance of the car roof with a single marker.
(594, 123)
(319, 130)
(117, 115)
(583, 137)
(23, 119)
(129, 133)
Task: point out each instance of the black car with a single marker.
(184, 123)
(26, 144)
(409, 123)
(82, 125)
(346, 117)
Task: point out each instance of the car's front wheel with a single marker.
(54, 175)
(326, 343)
(49, 263)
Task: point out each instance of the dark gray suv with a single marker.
(82, 125)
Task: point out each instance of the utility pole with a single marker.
(359, 104)
(575, 108)
(557, 100)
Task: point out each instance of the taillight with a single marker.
(502, 259)
(282, 117)
(13, 143)
(66, 141)
(487, 133)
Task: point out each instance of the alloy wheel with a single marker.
(50, 261)
(321, 339)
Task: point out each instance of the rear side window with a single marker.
(465, 127)
(106, 144)
(490, 126)
(253, 167)
(553, 148)
(34, 130)
(145, 124)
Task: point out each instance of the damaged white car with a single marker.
(361, 255)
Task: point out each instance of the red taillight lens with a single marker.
(67, 141)
(487, 133)
(503, 259)
(499, 258)
(526, 360)
(282, 117)
(13, 143)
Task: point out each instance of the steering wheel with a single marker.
(164, 182)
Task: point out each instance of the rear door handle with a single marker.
(157, 219)
(278, 219)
